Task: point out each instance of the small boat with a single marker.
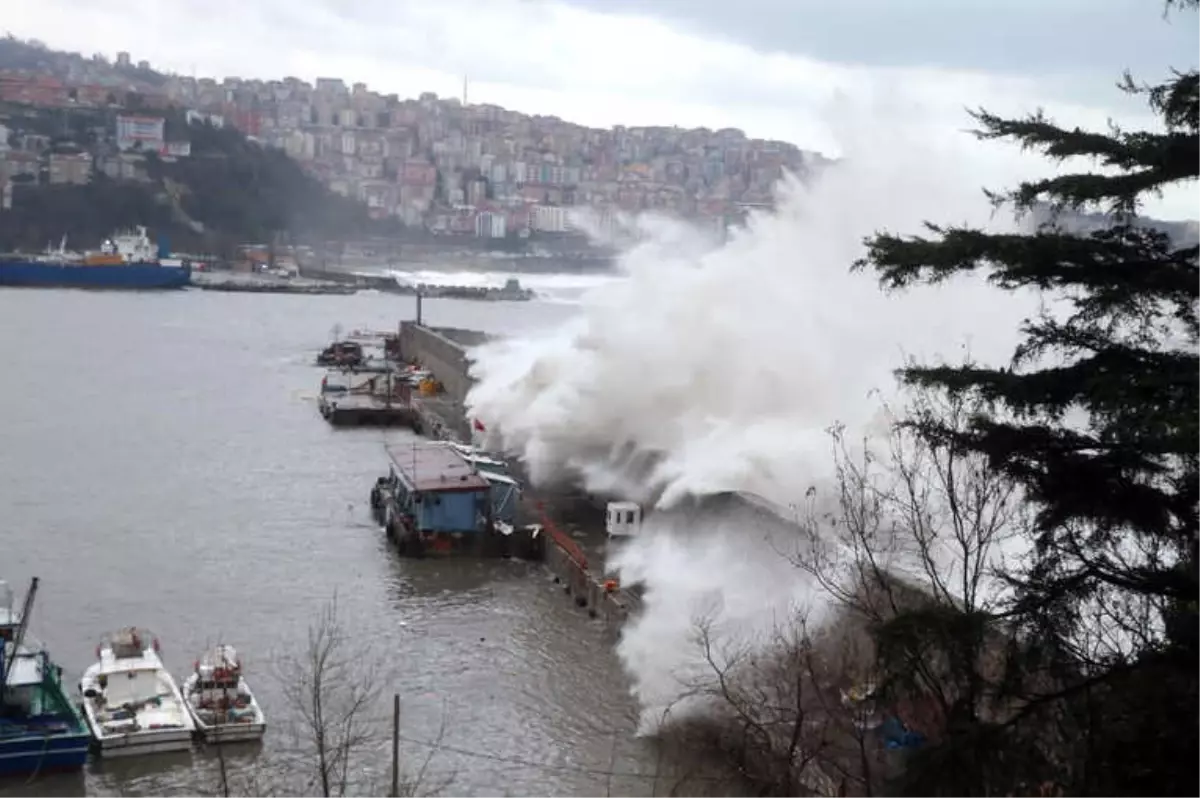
(40, 730)
(220, 701)
(130, 701)
(341, 353)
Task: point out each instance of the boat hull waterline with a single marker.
(44, 753)
(135, 276)
(151, 741)
(217, 733)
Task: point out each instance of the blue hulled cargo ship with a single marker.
(127, 261)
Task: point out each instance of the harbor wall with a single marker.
(581, 579)
(442, 355)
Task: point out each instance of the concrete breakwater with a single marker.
(511, 291)
(266, 284)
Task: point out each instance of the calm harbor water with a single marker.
(162, 464)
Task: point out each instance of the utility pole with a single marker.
(395, 746)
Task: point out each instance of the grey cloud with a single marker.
(1093, 39)
(1076, 49)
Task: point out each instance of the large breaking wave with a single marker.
(713, 370)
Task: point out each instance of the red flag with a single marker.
(479, 426)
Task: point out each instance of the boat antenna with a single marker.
(19, 636)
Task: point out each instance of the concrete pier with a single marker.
(579, 569)
(573, 525)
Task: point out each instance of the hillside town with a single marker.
(441, 164)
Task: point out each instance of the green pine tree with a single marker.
(1114, 543)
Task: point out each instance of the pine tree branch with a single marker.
(1125, 151)
(1152, 407)
(1182, 4)
(1147, 161)
(1076, 476)
(1117, 194)
(1177, 100)
(1117, 262)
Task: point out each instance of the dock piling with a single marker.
(395, 793)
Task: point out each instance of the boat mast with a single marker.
(19, 637)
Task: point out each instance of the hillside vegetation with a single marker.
(229, 190)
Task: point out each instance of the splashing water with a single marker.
(564, 288)
(715, 370)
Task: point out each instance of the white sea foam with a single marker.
(556, 287)
(710, 370)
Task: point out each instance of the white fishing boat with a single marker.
(130, 702)
(220, 701)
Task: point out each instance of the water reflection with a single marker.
(187, 487)
(48, 784)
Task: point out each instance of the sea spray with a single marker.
(716, 370)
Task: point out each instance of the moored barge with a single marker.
(436, 501)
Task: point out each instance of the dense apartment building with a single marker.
(435, 162)
(458, 168)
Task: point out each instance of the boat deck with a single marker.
(353, 410)
(431, 468)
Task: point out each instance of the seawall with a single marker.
(444, 352)
(575, 537)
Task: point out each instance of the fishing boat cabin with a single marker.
(219, 695)
(435, 500)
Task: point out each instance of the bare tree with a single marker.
(332, 714)
(919, 532)
(263, 777)
(905, 545)
(332, 687)
(424, 782)
(771, 710)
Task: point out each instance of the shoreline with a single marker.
(344, 283)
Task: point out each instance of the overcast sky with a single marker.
(775, 68)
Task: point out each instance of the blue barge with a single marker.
(436, 499)
(40, 729)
